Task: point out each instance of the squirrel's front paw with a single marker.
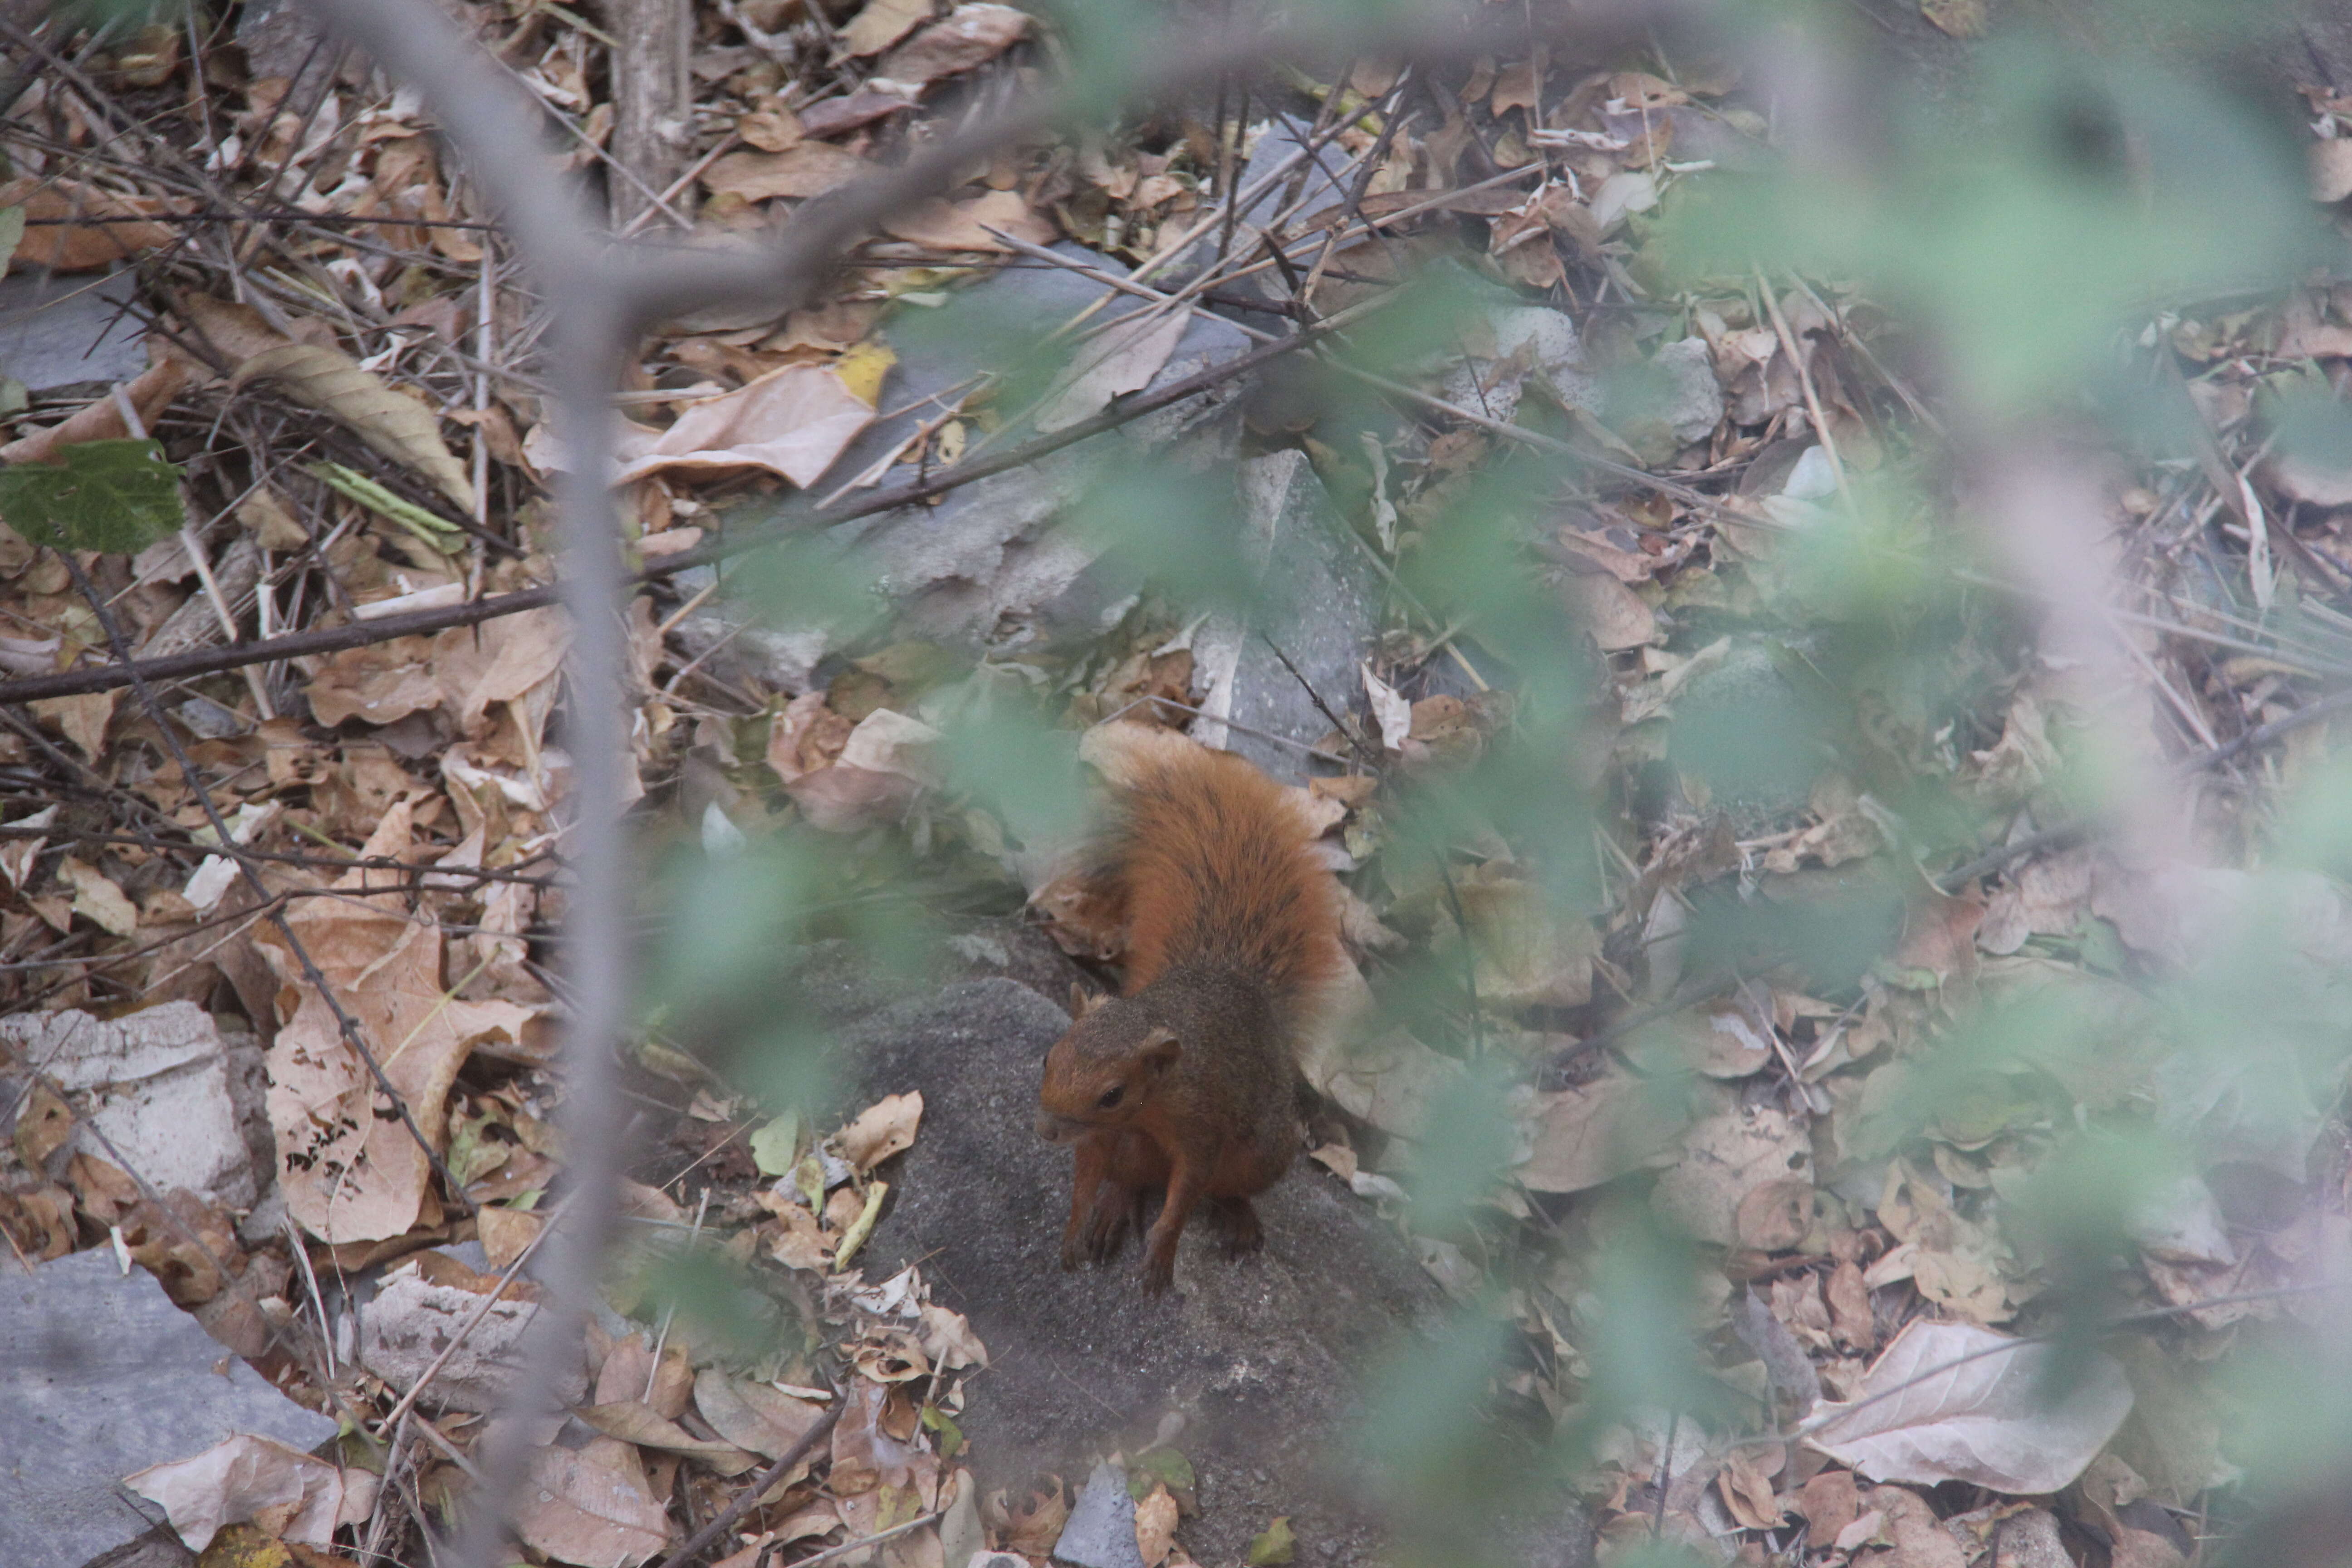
(1159, 1271)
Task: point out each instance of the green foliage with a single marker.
(115, 496)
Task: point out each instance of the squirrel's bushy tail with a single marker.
(1215, 869)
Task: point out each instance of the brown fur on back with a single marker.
(1213, 861)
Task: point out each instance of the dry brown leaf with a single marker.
(972, 35)
(242, 1478)
(805, 169)
(1527, 953)
(62, 233)
(882, 24)
(1611, 612)
(883, 1128)
(591, 1506)
(634, 1421)
(83, 718)
(1988, 1421)
(964, 226)
(752, 1415)
(1155, 1525)
(349, 1167)
(1725, 1158)
(397, 426)
(1599, 1130)
(1123, 359)
(98, 899)
(151, 392)
(793, 422)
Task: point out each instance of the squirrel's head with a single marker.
(1104, 1071)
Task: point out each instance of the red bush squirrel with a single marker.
(1189, 1082)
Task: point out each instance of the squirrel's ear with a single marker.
(1083, 1001)
(1160, 1052)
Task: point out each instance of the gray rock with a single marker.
(106, 1377)
(1101, 1530)
(58, 332)
(1318, 603)
(158, 1083)
(987, 566)
(1669, 403)
(1532, 343)
(1260, 1355)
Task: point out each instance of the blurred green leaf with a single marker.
(119, 496)
(1274, 1547)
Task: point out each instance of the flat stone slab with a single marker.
(105, 1378)
(66, 331)
(1261, 1356)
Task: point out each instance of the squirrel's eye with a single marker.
(1112, 1096)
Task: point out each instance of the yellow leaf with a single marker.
(862, 369)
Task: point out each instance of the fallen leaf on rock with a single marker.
(244, 1478)
(1527, 953)
(969, 35)
(394, 423)
(1994, 1421)
(949, 1341)
(883, 1128)
(591, 1506)
(1123, 359)
(804, 168)
(964, 226)
(1611, 612)
(1390, 708)
(792, 422)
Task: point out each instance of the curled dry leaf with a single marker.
(393, 424)
(351, 1169)
(964, 226)
(883, 1128)
(793, 422)
(73, 228)
(591, 1506)
(803, 169)
(1999, 1420)
(242, 1478)
(151, 392)
(1122, 360)
(882, 24)
(970, 35)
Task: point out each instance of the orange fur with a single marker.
(1188, 1083)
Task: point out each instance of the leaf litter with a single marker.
(1746, 1117)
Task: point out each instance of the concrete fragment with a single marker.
(1101, 1530)
(106, 1377)
(158, 1081)
(1317, 603)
